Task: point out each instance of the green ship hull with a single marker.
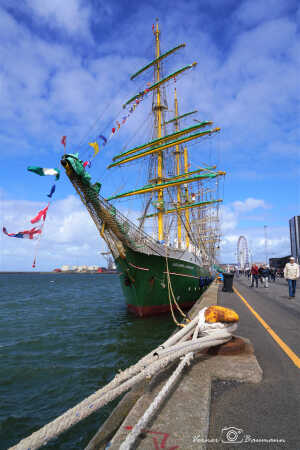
(149, 279)
(144, 280)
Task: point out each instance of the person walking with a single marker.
(273, 274)
(291, 273)
(269, 272)
(265, 273)
(254, 274)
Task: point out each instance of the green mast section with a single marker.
(154, 187)
(156, 85)
(155, 61)
(164, 138)
(164, 146)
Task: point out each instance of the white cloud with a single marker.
(69, 236)
(246, 88)
(249, 204)
(72, 16)
(48, 90)
(250, 15)
(276, 247)
(229, 219)
(232, 213)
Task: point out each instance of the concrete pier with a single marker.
(183, 420)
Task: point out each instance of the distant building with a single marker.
(279, 263)
(87, 269)
(295, 236)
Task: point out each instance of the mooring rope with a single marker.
(170, 290)
(159, 399)
(132, 437)
(140, 426)
(147, 367)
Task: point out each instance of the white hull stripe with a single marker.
(182, 275)
(136, 267)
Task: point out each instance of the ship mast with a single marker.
(187, 211)
(168, 157)
(159, 149)
(177, 156)
(157, 110)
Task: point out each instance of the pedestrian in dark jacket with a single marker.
(264, 272)
(260, 274)
(273, 275)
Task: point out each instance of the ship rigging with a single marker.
(181, 204)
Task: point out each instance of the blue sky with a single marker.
(64, 70)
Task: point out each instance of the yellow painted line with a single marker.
(285, 348)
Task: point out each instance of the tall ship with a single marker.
(166, 268)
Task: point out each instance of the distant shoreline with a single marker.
(58, 273)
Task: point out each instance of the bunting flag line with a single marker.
(95, 147)
(52, 191)
(43, 171)
(36, 232)
(41, 215)
(29, 234)
(104, 138)
(63, 141)
(87, 164)
(130, 110)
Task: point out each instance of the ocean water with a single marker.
(62, 337)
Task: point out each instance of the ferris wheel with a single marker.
(242, 253)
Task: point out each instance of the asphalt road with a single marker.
(266, 415)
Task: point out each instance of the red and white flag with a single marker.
(29, 234)
(41, 215)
